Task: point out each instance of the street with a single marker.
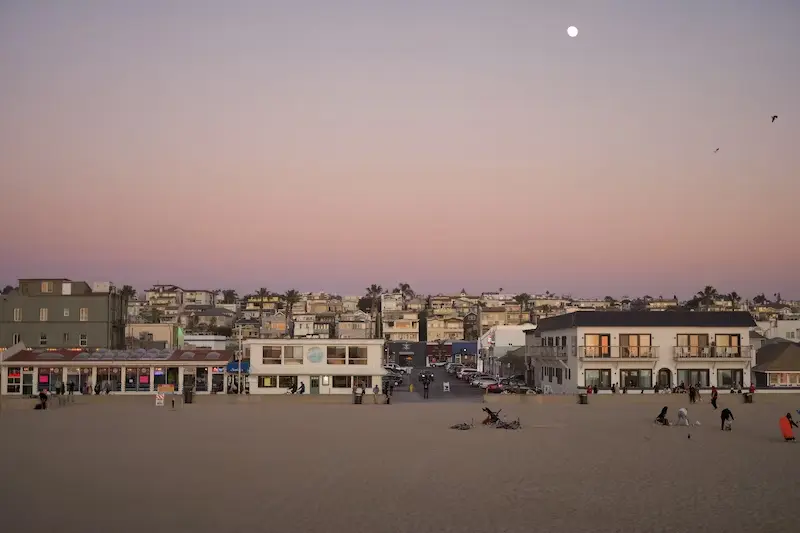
(458, 389)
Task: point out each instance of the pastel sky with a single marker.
(331, 144)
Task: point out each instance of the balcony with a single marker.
(712, 352)
(631, 353)
(550, 352)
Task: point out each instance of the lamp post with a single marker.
(240, 388)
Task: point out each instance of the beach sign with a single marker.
(446, 386)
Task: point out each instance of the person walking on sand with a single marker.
(714, 396)
(375, 392)
(726, 419)
(786, 425)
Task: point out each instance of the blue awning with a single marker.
(233, 367)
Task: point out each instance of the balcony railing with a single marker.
(554, 352)
(712, 352)
(618, 352)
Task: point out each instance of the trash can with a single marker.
(583, 398)
(358, 399)
(188, 396)
(748, 398)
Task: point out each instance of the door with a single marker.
(665, 378)
(27, 384)
(314, 389)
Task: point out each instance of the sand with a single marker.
(283, 466)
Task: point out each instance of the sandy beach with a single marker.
(282, 465)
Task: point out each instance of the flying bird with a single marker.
(774, 117)
(717, 150)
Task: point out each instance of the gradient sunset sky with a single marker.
(331, 144)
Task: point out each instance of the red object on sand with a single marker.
(786, 428)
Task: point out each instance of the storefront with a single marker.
(138, 372)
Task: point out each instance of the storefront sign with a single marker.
(233, 367)
(315, 355)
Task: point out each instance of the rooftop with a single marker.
(666, 319)
(99, 356)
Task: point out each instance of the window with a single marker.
(600, 378)
(84, 314)
(693, 345)
(597, 345)
(14, 377)
(84, 341)
(66, 311)
(16, 339)
(730, 378)
(636, 379)
(635, 345)
(66, 338)
(43, 314)
(364, 381)
(342, 382)
(17, 314)
(286, 382)
(564, 340)
(784, 379)
(292, 355)
(271, 356)
(47, 287)
(267, 382)
(43, 339)
(357, 355)
(336, 355)
(727, 346)
(693, 377)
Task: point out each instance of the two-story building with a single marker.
(354, 325)
(639, 349)
(324, 366)
(60, 313)
(496, 343)
(445, 328)
(163, 296)
(198, 297)
(401, 326)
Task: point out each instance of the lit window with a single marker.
(43, 314)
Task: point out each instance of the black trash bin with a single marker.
(583, 398)
(188, 396)
(358, 399)
(748, 398)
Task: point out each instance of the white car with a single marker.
(397, 368)
(466, 372)
(484, 383)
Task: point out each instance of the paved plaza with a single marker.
(279, 465)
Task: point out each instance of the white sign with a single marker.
(446, 386)
(159, 399)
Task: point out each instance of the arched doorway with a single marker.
(665, 378)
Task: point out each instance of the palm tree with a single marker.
(229, 296)
(291, 297)
(760, 299)
(128, 292)
(7, 289)
(735, 299)
(406, 291)
(262, 293)
(707, 296)
(523, 300)
(373, 294)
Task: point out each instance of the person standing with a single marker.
(714, 396)
(375, 392)
(426, 385)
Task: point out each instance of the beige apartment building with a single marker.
(401, 326)
(445, 329)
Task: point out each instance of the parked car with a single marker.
(494, 388)
(394, 379)
(464, 373)
(439, 364)
(484, 383)
(453, 368)
(397, 368)
(475, 378)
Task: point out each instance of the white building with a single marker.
(639, 349)
(198, 297)
(324, 366)
(497, 342)
(780, 329)
(212, 342)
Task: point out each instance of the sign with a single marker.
(159, 399)
(166, 388)
(315, 355)
(233, 367)
(446, 386)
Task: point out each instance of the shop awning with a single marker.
(233, 367)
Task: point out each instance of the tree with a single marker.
(229, 296)
(154, 316)
(7, 289)
(734, 299)
(262, 293)
(406, 291)
(291, 297)
(760, 299)
(707, 296)
(639, 304)
(523, 300)
(373, 293)
(128, 292)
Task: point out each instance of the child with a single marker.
(726, 418)
(786, 424)
(662, 417)
(683, 417)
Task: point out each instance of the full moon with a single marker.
(572, 31)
